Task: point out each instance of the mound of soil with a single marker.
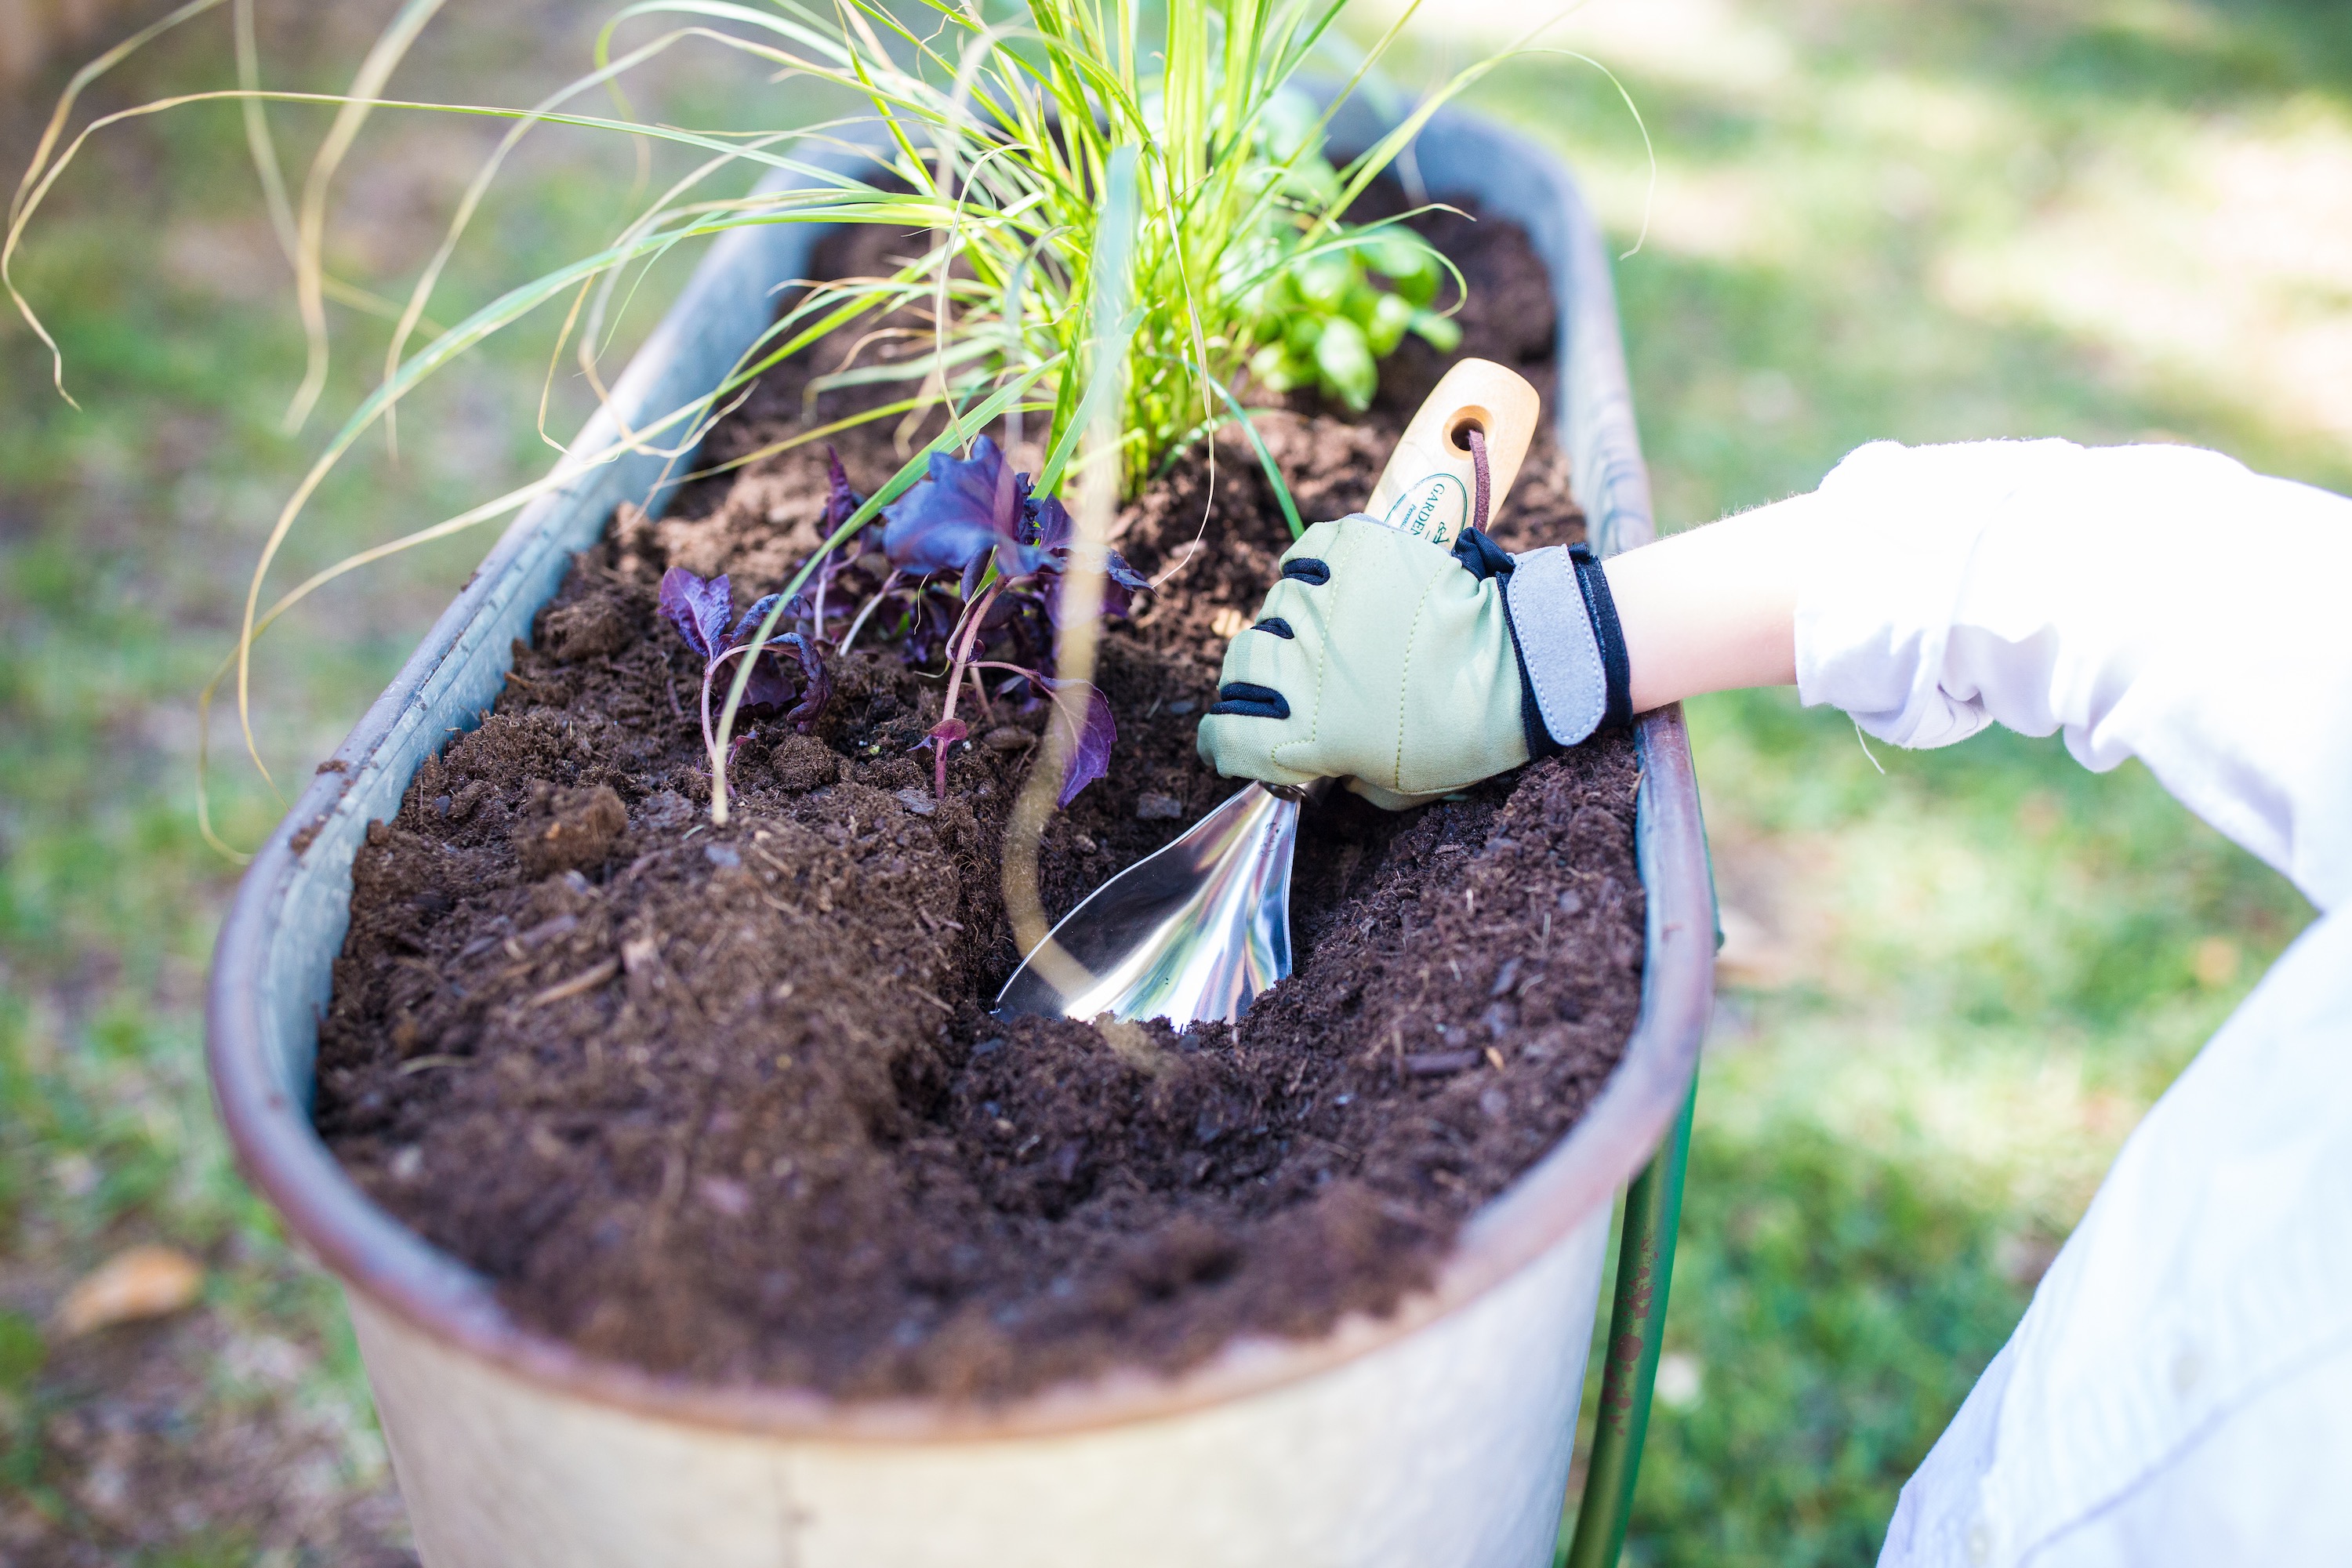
(728, 1101)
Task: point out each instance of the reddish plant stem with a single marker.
(709, 745)
(960, 645)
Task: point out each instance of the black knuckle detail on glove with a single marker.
(1307, 570)
(1277, 625)
(1251, 702)
(1481, 556)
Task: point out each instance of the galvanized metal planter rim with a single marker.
(375, 1254)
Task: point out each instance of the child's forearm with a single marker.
(1713, 608)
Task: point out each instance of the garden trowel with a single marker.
(1195, 931)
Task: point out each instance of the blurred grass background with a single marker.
(1950, 986)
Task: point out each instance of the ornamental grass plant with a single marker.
(992, 139)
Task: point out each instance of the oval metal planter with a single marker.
(1439, 1436)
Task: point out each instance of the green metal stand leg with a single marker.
(1637, 1320)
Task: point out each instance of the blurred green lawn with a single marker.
(1952, 987)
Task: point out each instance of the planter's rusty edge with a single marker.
(301, 877)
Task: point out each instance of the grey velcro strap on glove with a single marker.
(1564, 625)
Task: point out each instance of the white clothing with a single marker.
(2180, 1389)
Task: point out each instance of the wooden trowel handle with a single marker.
(1427, 489)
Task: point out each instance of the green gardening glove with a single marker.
(1405, 669)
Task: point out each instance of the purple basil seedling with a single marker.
(976, 517)
(703, 613)
(971, 519)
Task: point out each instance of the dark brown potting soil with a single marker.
(727, 1101)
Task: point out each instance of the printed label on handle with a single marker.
(1435, 510)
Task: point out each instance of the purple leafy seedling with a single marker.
(1090, 746)
(969, 515)
(1090, 741)
(770, 683)
(1056, 537)
(840, 503)
(700, 609)
(1122, 583)
(965, 514)
(703, 612)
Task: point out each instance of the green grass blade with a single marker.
(1282, 496)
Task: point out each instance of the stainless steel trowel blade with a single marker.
(1190, 932)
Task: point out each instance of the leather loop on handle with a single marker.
(1427, 488)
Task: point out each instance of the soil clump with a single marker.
(728, 1101)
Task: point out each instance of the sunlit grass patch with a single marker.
(1845, 1300)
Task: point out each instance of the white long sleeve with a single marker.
(2157, 602)
(2180, 1390)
